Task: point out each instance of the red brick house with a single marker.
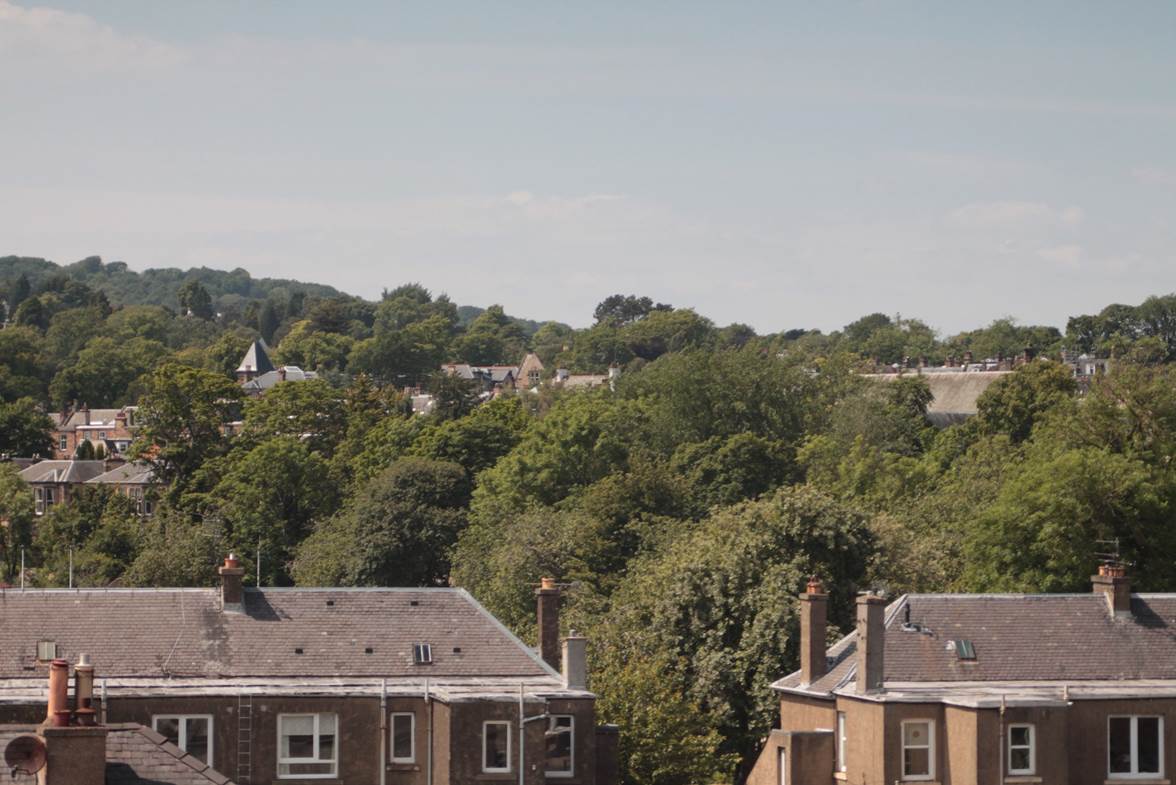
(347, 686)
(1001, 689)
(114, 429)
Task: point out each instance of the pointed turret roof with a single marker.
(256, 359)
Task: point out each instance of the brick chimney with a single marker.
(814, 604)
(548, 611)
(871, 643)
(85, 412)
(232, 591)
(74, 755)
(1112, 582)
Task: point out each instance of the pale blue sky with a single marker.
(782, 164)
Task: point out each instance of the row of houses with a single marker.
(347, 686)
(57, 482)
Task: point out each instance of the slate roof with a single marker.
(271, 378)
(256, 359)
(1017, 638)
(133, 473)
(184, 633)
(77, 418)
(135, 755)
(63, 471)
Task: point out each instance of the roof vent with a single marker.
(46, 651)
(457, 650)
(298, 651)
(414, 603)
(422, 654)
(368, 650)
(330, 603)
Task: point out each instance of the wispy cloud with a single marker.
(1014, 213)
(31, 35)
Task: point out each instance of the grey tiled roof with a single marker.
(127, 474)
(256, 359)
(135, 755)
(63, 471)
(78, 418)
(1024, 637)
(183, 632)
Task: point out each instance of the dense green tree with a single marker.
(195, 300)
(725, 470)
(313, 350)
(550, 340)
(16, 507)
(32, 313)
(619, 310)
(312, 411)
(1048, 525)
(24, 429)
(479, 439)
(70, 330)
(150, 322)
(668, 331)
(720, 604)
(23, 363)
(268, 497)
(19, 291)
(1014, 403)
(268, 320)
(181, 418)
(105, 370)
(397, 530)
(175, 551)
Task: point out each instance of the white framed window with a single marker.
(63, 443)
(1022, 749)
(840, 741)
(43, 499)
(403, 730)
(1135, 747)
(918, 750)
(559, 742)
(307, 745)
(495, 746)
(190, 732)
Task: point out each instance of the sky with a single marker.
(778, 164)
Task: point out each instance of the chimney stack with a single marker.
(73, 755)
(871, 643)
(57, 711)
(575, 662)
(548, 611)
(84, 691)
(232, 591)
(814, 604)
(1112, 582)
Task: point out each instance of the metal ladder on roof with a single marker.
(244, 739)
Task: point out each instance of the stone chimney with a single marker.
(548, 612)
(871, 643)
(1112, 582)
(814, 604)
(575, 662)
(968, 357)
(85, 412)
(232, 591)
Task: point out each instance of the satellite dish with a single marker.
(25, 755)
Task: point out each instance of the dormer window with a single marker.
(422, 654)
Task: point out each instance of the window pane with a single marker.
(914, 734)
(559, 744)
(197, 738)
(327, 723)
(1148, 741)
(1120, 745)
(1019, 759)
(916, 762)
(402, 736)
(297, 737)
(1019, 734)
(496, 746)
(326, 746)
(169, 728)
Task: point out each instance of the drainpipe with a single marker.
(1001, 773)
(383, 721)
(522, 731)
(429, 756)
(103, 701)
